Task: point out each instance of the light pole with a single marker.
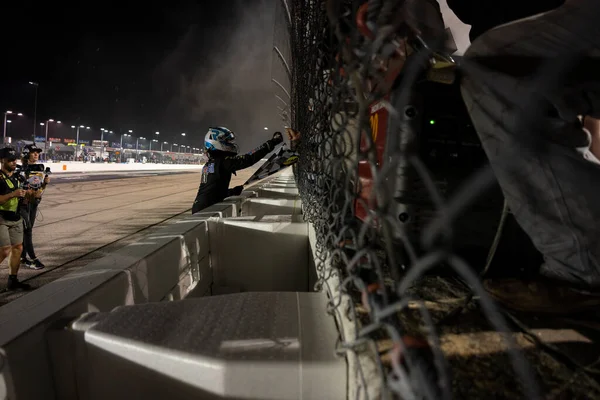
(173, 144)
(124, 135)
(137, 152)
(102, 130)
(6, 114)
(104, 147)
(77, 140)
(74, 127)
(46, 142)
(161, 145)
(153, 140)
(183, 134)
(36, 85)
(41, 124)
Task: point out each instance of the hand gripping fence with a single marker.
(383, 219)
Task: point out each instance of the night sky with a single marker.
(177, 66)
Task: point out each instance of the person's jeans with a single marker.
(552, 190)
(28, 213)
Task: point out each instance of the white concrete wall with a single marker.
(268, 253)
(222, 249)
(254, 345)
(75, 166)
(156, 268)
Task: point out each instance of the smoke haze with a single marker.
(219, 74)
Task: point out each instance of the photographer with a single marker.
(28, 206)
(11, 225)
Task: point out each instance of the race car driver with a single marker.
(223, 161)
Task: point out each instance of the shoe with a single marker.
(540, 296)
(25, 261)
(14, 284)
(35, 264)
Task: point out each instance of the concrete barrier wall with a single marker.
(253, 254)
(76, 166)
(162, 266)
(220, 250)
(255, 345)
(271, 206)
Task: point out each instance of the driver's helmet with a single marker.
(222, 139)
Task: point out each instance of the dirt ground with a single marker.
(561, 352)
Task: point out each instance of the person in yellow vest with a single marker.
(11, 224)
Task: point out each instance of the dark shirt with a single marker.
(216, 174)
(484, 15)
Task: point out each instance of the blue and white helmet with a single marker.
(220, 138)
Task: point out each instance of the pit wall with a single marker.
(76, 166)
(233, 251)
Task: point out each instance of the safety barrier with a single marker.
(75, 166)
(254, 246)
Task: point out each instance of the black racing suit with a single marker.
(216, 174)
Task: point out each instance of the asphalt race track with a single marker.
(58, 179)
(86, 216)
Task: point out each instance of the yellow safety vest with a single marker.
(12, 204)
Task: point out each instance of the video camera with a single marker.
(31, 181)
(20, 175)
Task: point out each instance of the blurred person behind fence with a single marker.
(549, 173)
(28, 206)
(11, 223)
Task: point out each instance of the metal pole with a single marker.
(35, 111)
(45, 143)
(101, 144)
(4, 137)
(77, 144)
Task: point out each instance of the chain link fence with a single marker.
(406, 211)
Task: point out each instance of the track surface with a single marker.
(81, 220)
(71, 177)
